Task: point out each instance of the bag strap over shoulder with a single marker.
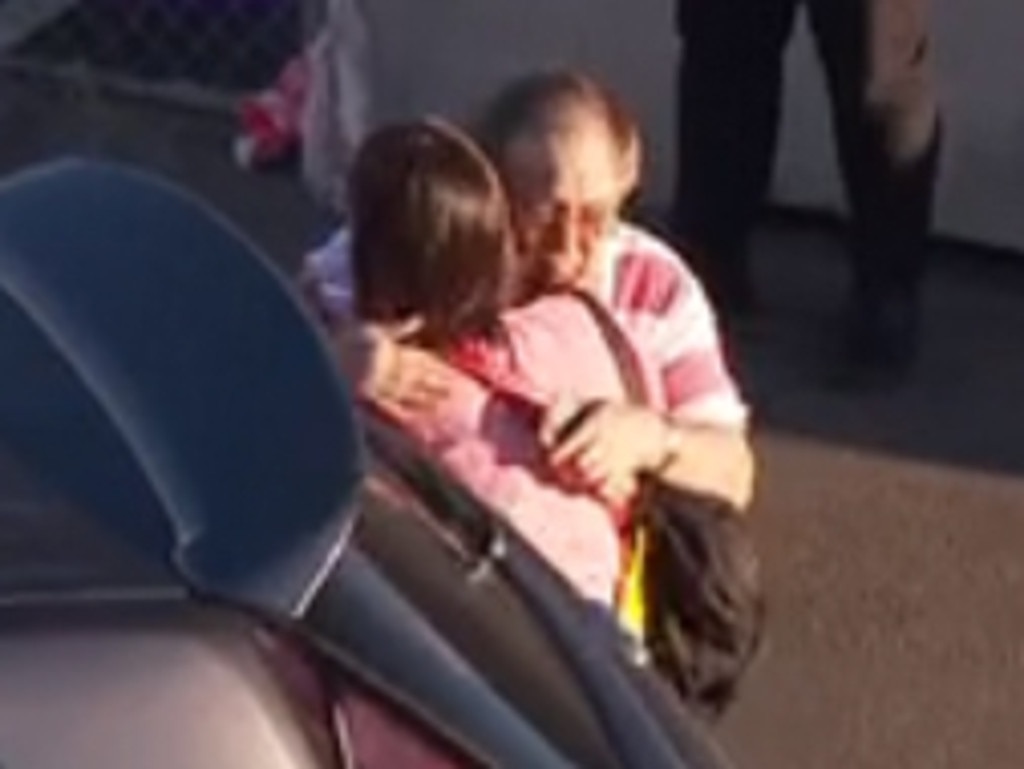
(619, 345)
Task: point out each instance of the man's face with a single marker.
(566, 193)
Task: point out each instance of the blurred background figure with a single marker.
(878, 69)
(317, 108)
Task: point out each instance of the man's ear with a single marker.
(629, 196)
(629, 182)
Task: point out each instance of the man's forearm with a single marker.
(714, 461)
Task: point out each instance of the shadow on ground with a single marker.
(959, 407)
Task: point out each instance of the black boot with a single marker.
(726, 277)
(881, 343)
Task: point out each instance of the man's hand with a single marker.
(411, 381)
(402, 378)
(605, 446)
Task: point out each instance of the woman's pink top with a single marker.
(554, 349)
(557, 348)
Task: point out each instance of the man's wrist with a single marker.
(670, 447)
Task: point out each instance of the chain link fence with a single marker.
(198, 51)
(159, 85)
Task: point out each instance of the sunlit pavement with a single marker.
(892, 525)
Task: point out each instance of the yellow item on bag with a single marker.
(632, 609)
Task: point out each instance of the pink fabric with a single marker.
(663, 308)
(271, 119)
(554, 350)
(380, 739)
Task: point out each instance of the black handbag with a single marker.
(704, 603)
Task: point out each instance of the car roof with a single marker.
(50, 549)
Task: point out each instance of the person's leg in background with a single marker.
(730, 88)
(339, 107)
(878, 62)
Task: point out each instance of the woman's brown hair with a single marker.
(431, 233)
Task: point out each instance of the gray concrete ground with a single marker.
(891, 528)
(891, 524)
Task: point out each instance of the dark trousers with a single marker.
(878, 67)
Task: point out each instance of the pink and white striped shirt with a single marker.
(662, 306)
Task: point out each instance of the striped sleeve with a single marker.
(665, 309)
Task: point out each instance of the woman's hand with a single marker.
(402, 378)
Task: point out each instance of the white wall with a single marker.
(446, 56)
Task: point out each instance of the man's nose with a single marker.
(565, 237)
